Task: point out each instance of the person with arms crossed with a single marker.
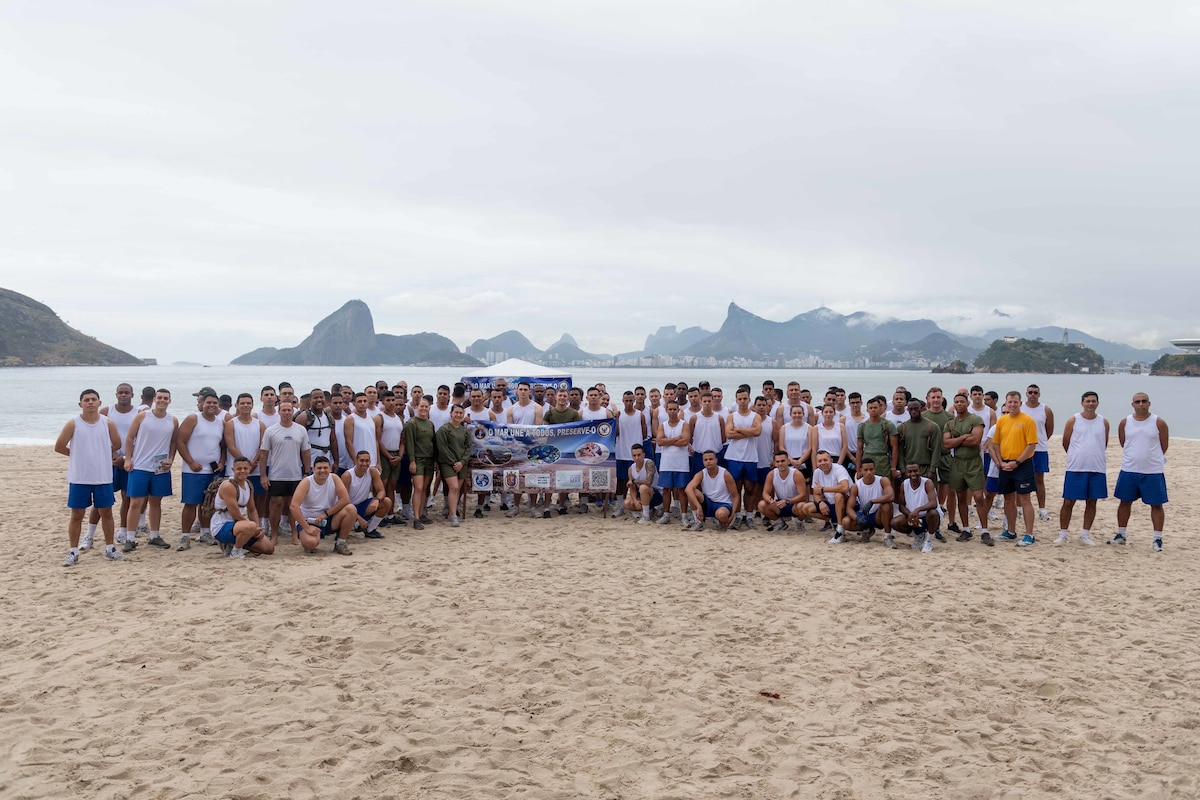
(201, 447)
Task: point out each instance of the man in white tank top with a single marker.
(269, 412)
(1144, 440)
(122, 413)
(201, 447)
(784, 494)
(320, 506)
(742, 429)
(149, 451)
(1044, 417)
(918, 508)
(235, 515)
(869, 505)
(90, 442)
(1085, 438)
(359, 429)
(366, 493)
(708, 432)
(243, 438)
(631, 430)
(713, 493)
(389, 430)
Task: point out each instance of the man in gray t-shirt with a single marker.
(285, 456)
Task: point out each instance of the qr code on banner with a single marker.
(600, 479)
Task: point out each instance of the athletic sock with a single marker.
(1158, 536)
(91, 529)
(1085, 532)
(645, 512)
(373, 524)
(155, 535)
(74, 551)
(112, 548)
(1064, 533)
(1120, 531)
(121, 531)
(205, 531)
(142, 519)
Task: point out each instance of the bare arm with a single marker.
(64, 438)
(1069, 428)
(1050, 421)
(1163, 435)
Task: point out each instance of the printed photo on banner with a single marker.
(580, 456)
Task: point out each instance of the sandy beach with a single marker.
(582, 657)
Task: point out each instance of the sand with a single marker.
(582, 657)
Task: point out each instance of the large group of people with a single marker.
(328, 462)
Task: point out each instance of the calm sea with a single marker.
(52, 393)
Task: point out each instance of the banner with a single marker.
(559, 383)
(574, 457)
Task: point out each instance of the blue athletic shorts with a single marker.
(256, 485)
(695, 462)
(1084, 486)
(192, 486)
(825, 508)
(992, 485)
(85, 495)
(323, 527)
(120, 479)
(763, 472)
(787, 511)
(1150, 488)
(743, 470)
(710, 508)
(144, 483)
(1041, 461)
(224, 534)
(361, 508)
(673, 480)
(623, 469)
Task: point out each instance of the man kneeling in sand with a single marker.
(234, 516)
(784, 492)
(712, 492)
(321, 506)
(366, 494)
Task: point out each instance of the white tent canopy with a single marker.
(516, 369)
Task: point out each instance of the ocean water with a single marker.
(41, 400)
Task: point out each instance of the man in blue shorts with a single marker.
(235, 518)
(1085, 438)
(149, 450)
(783, 494)
(1144, 439)
(712, 492)
(742, 428)
(90, 442)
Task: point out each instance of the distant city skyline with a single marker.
(190, 183)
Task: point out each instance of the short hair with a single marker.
(524, 383)
(283, 385)
(385, 394)
(86, 392)
(1088, 394)
(204, 396)
(781, 453)
(246, 396)
(854, 396)
(878, 399)
(167, 392)
(359, 394)
(320, 460)
(636, 446)
(991, 394)
(1013, 393)
(963, 396)
(626, 394)
(265, 389)
(240, 459)
(866, 460)
(977, 388)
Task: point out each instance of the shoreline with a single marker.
(588, 656)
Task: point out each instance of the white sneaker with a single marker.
(838, 538)
(993, 516)
(113, 554)
(643, 521)
(889, 541)
(120, 537)
(195, 527)
(512, 512)
(928, 546)
(185, 541)
(71, 560)
(1086, 539)
(237, 552)
(206, 538)
(454, 523)
(665, 519)
(1062, 538)
(620, 512)
(143, 530)
(85, 542)
(1043, 515)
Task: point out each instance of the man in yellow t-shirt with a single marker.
(1012, 449)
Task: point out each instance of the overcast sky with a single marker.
(189, 181)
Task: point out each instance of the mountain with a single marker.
(566, 352)
(822, 332)
(512, 343)
(33, 336)
(669, 341)
(1112, 351)
(347, 338)
(936, 348)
